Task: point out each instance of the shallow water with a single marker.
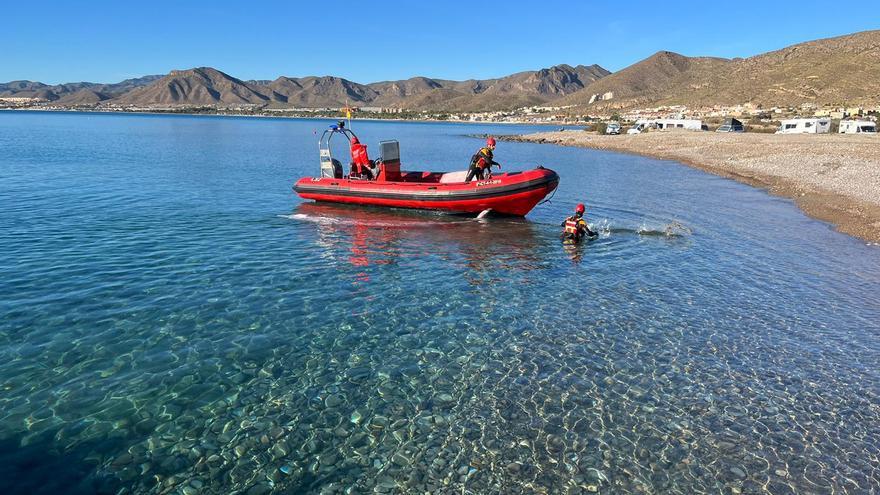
(174, 319)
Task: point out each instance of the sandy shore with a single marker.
(832, 177)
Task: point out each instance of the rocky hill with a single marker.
(327, 91)
(841, 70)
(73, 93)
(199, 86)
(517, 90)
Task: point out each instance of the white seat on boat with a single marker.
(453, 177)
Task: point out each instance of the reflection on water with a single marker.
(380, 235)
(164, 330)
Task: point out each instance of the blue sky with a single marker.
(98, 41)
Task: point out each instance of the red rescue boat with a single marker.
(512, 193)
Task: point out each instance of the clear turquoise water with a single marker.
(173, 319)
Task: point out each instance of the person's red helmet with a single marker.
(580, 208)
(354, 140)
(490, 141)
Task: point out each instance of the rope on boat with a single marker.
(548, 199)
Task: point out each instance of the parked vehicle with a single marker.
(612, 128)
(637, 128)
(857, 127)
(731, 125)
(687, 124)
(820, 125)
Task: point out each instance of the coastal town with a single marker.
(756, 118)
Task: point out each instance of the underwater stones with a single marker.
(726, 446)
(359, 374)
(122, 460)
(280, 450)
(276, 432)
(737, 472)
(173, 464)
(329, 459)
(357, 439)
(333, 401)
(378, 422)
(356, 417)
(400, 435)
(514, 468)
(240, 450)
(259, 489)
(386, 391)
(128, 474)
(555, 443)
(386, 483)
(401, 460)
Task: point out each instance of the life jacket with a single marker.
(572, 227)
(482, 158)
(359, 154)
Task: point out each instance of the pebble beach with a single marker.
(832, 177)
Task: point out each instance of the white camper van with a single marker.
(857, 127)
(805, 126)
(639, 126)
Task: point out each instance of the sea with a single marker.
(174, 319)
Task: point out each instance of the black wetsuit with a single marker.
(481, 161)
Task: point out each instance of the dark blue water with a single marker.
(173, 319)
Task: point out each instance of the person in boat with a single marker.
(482, 161)
(361, 166)
(575, 228)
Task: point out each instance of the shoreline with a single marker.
(264, 116)
(831, 177)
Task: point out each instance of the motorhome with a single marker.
(857, 127)
(687, 124)
(805, 126)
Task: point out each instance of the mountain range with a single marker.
(841, 70)
(208, 86)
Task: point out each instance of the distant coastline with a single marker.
(299, 117)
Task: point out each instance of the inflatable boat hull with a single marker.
(513, 193)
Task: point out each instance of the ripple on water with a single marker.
(165, 332)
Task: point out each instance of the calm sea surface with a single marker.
(173, 319)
